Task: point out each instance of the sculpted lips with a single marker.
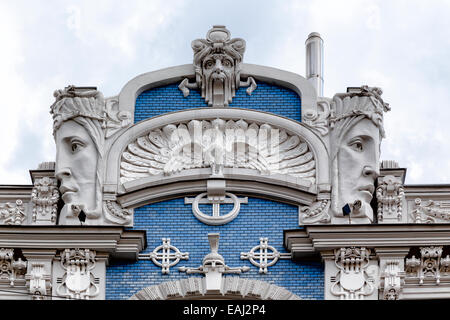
(66, 192)
(367, 190)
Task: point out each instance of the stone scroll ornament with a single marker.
(12, 213)
(217, 144)
(82, 120)
(430, 211)
(217, 62)
(356, 130)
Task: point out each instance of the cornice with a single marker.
(119, 243)
(314, 239)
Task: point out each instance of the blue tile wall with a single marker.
(259, 218)
(266, 97)
(173, 219)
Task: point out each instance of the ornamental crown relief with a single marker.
(217, 63)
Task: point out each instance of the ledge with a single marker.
(313, 239)
(119, 243)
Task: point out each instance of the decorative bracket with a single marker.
(393, 279)
(115, 213)
(163, 253)
(39, 281)
(317, 212)
(430, 265)
(263, 255)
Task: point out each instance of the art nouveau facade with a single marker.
(221, 179)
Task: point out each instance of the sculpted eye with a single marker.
(76, 146)
(227, 63)
(357, 145)
(209, 64)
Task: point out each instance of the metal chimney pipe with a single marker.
(314, 61)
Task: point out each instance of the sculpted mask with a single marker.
(78, 128)
(217, 62)
(356, 133)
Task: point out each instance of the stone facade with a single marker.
(221, 179)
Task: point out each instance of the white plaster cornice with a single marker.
(113, 240)
(14, 192)
(442, 191)
(314, 239)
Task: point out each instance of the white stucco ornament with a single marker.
(78, 281)
(213, 266)
(82, 120)
(353, 281)
(10, 268)
(12, 213)
(219, 143)
(217, 62)
(264, 255)
(165, 256)
(356, 130)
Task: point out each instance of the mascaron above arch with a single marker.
(217, 71)
(154, 79)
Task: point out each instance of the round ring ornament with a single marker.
(216, 219)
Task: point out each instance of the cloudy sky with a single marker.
(401, 46)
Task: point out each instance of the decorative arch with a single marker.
(277, 186)
(232, 288)
(154, 79)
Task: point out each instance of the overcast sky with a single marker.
(401, 46)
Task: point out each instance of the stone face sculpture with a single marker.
(81, 122)
(356, 124)
(78, 114)
(217, 62)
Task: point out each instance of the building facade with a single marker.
(223, 180)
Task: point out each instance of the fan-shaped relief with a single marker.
(218, 144)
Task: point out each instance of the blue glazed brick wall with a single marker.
(173, 219)
(268, 98)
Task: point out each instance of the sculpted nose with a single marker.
(219, 66)
(63, 173)
(369, 171)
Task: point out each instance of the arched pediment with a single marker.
(269, 155)
(154, 79)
